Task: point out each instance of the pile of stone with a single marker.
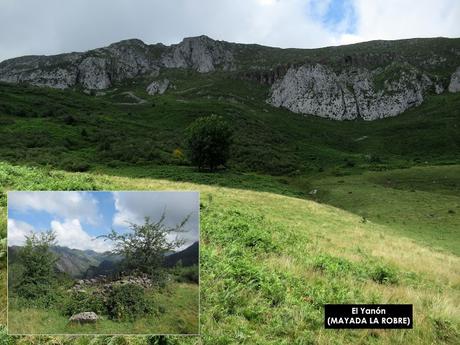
(106, 284)
(85, 317)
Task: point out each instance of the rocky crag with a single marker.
(100, 68)
(352, 93)
(369, 81)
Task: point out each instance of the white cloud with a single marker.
(67, 205)
(397, 19)
(17, 230)
(133, 207)
(51, 26)
(71, 234)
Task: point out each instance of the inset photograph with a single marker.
(103, 262)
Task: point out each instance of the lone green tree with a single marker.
(208, 142)
(144, 247)
(38, 263)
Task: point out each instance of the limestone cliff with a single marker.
(351, 93)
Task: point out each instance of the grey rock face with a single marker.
(85, 317)
(94, 73)
(158, 87)
(200, 53)
(58, 72)
(99, 68)
(454, 85)
(351, 94)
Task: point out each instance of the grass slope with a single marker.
(268, 268)
(421, 203)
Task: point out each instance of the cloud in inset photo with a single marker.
(65, 205)
(133, 207)
(79, 219)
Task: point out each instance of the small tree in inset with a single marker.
(38, 265)
(145, 246)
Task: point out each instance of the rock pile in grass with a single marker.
(85, 317)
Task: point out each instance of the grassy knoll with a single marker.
(268, 267)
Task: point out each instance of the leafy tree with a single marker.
(38, 265)
(145, 246)
(208, 140)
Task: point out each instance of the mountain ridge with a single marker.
(368, 80)
(89, 263)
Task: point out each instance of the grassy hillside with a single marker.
(309, 210)
(78, 132)
(268, 268)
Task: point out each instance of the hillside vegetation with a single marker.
(268, 268)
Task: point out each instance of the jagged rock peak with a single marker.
(200, 53)
(100, 68)
(129, 42)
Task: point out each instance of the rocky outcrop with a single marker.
(350, 94)
(200, 53)
(157, 87)
(454, 85)
(94, 73)
(58, 71)
(85, 317)
(99, 68)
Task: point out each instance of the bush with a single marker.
(73, 166)
(208, 140)
(126, 302)
(69, 120)
(384, 275)
(79, 301)
(186, 274)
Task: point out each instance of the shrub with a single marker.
(186, 274)
(178, 154)
(126, 302)
(73, 166)
(69, 120)
(79, 301)
(208, 140)
(384, 275)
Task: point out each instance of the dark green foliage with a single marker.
(208, 141)
(38, 266)
(144, 247)
(188, 274)
(384, 274)
(81, 301)
(69, 120)
(126, 302)
(73, 165)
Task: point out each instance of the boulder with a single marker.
(158, 87)
(85, 317)
(454, 85)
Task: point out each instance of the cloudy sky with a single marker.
(55, 26)
(78, 218)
